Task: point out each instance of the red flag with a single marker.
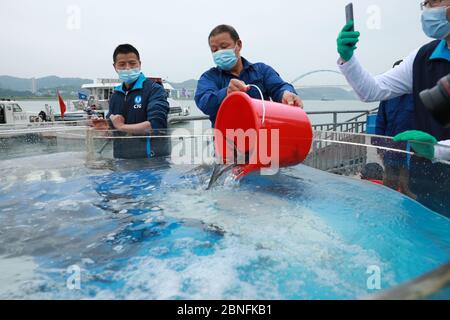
(62, 105)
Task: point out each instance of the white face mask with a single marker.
(435, 23)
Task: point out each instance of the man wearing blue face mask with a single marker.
(138, 107)
(421, 70)
(234, 73)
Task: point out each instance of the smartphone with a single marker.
(349, 14)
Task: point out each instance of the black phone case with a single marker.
(349, 14)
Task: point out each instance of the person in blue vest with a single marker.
(395, 116)
(234, 73)
(138, 107)
(421, 70)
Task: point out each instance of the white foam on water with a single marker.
(56, 176)
(55, 167)
(210, 277)
(7, 182)
(40, 205)
(14, 274)
(118, 248)
(289, 234)
(68, 204)
(262, 229)
(47, 161)
(34, 176)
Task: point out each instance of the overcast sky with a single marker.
(77, 38)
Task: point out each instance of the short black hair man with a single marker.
(138, 107)
(234, 73)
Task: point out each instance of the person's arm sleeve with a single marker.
(394, 83)
(158, 108)
(112, 110)
(442, 150)
(381, 119)
(115, 107)
(209, 96)
(275, 85)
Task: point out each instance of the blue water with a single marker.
(150, 231)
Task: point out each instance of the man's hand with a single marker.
(118, 121)
(237, 86)
(99, 124)
(422, 143)
(346, 42)
(292, 99)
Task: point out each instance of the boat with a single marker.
(13, 117)
(11, 113)
(101, 91)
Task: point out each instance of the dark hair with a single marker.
(397, 63)
(125, 49)
(223, 28)
(372, 171)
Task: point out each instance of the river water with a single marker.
(310, 106)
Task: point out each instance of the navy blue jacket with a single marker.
(429, 67)
(430, 181)
(213, 84)
(396, 116)
(145, 101)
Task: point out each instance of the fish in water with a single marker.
(218, 171)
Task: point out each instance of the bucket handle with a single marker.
(263, 102)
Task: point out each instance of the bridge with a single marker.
(315, 72)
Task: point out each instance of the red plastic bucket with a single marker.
(283, 133)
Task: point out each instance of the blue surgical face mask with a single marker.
(225, 59)
(129, 76)
(435, 23)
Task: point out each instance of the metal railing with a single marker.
(337, 152)
(336, 158)
(356, 124)
(181, 119)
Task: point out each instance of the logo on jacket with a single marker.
(137, 102)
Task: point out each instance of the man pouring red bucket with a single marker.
(257, 134)
(254, 134)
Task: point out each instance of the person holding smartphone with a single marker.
(420, 70)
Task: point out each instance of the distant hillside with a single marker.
(6, 93)
(310, 93)
(56, 82)
(69, 87)
(326, 93)
(188, 85)
(51, 82)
